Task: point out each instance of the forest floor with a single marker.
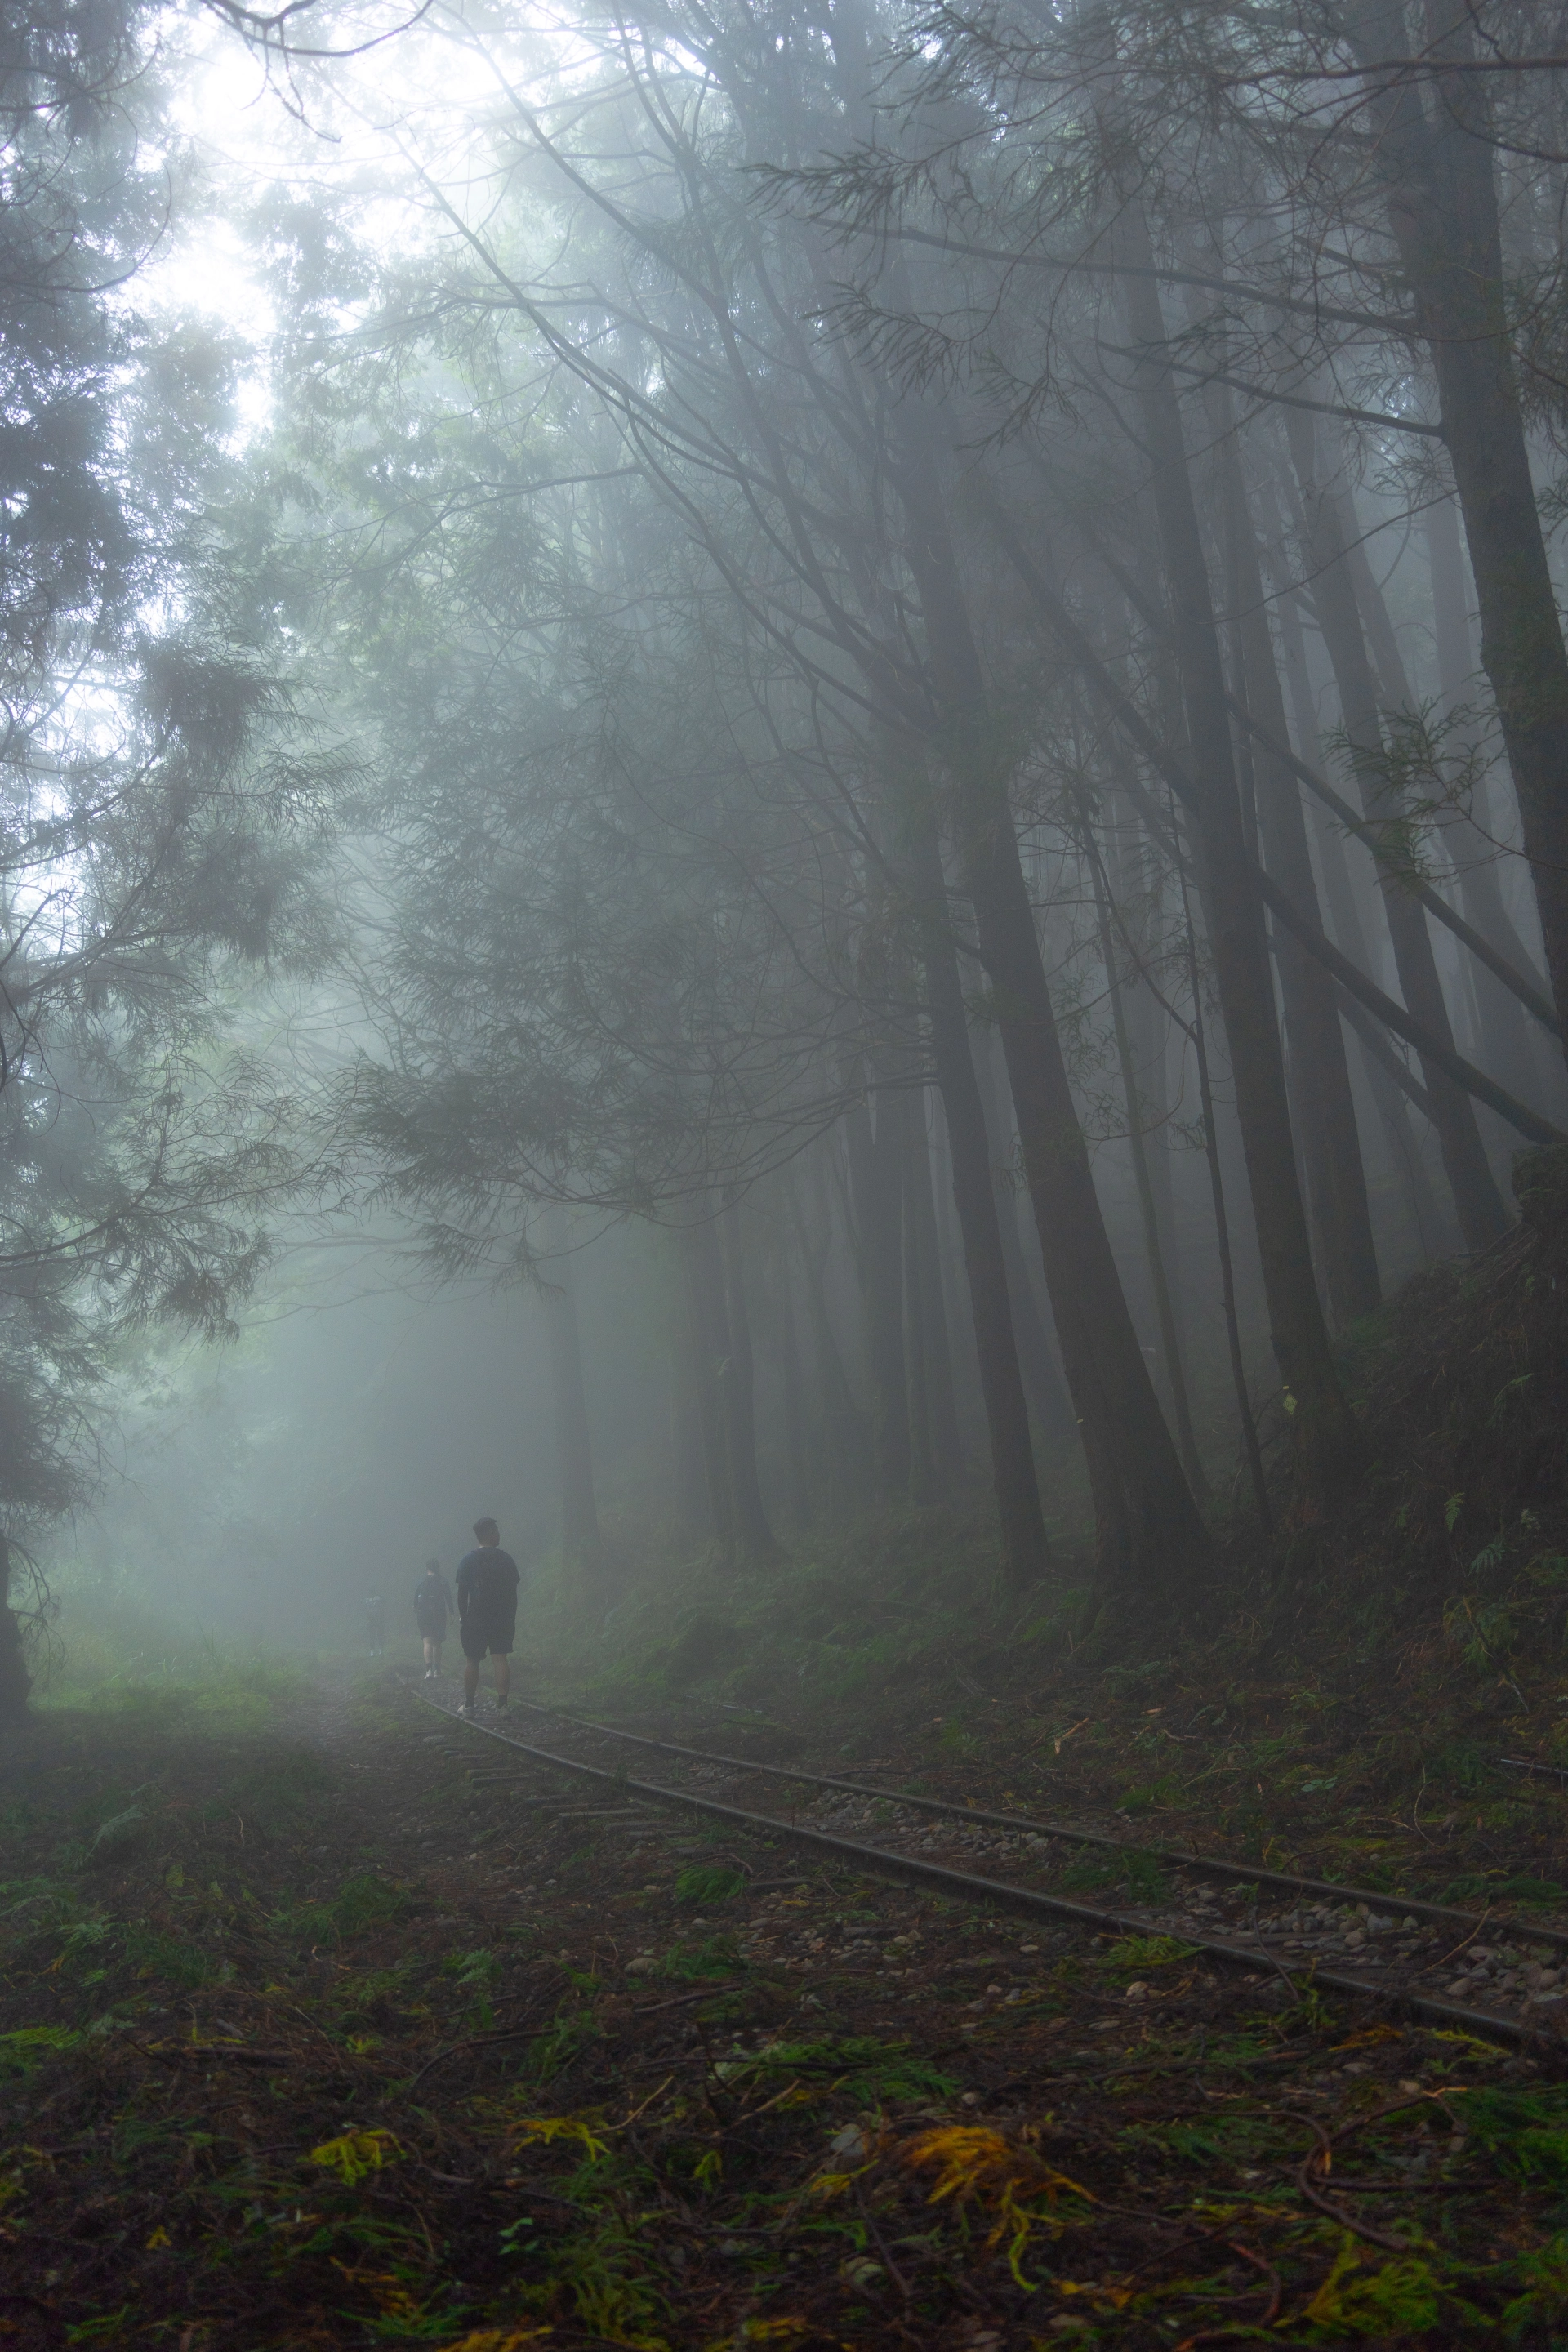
(313, 2034)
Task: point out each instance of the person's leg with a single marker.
(503, 1674)
(474, 1650)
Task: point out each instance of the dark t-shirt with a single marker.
(487, 1582)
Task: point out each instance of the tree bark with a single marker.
(1147, 1022)
(1164, 1313)
(1330, 1141)
(1476, 1201)
(845, 1432)
(756, 1538)
(580, 1541)
(793, 1384)
(710, 1334)
(1036, 1359)
(15, 1681)
(922, 1462)
(1435, 150)
(1150, 1537)
(924, 1268)
(874, 1184)
(1506, 1045)
(1329, 1445)
(693, 1508)
(1025, 1553)
(1403, 1144)
(1251, 1452)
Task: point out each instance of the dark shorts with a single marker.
(489, 1633)
(433, 1628)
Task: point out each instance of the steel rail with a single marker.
(1240, 1873)
(999, 1894)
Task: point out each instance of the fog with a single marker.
(767, 777)
(261, 1492)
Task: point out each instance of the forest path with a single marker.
(321, 2028)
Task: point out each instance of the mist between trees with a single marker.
(881, 687)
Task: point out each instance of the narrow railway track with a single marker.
(1429, 1960)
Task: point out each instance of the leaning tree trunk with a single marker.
(1155, 1256)
(1149, 1535)
(1435, 151)
(1330, 1141)
(1025, 1552)
(1329, 1445)
(1478, 1204)
(1427, 1218)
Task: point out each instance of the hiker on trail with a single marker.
(487, 1583)
(433, 1606)
(376, 1624)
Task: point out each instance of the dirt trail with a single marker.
(326, 2025)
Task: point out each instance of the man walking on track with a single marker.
(487, 1583)
(432, 1607)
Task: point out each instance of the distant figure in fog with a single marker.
(486, 1614)
(432, 1607)
(376, 1624)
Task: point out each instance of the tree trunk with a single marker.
(1175, 1370)
(709, 1356)
(1330, 1141)
(1330, 1449)
(1403, 1144)
(580, 1541)
(1147, 1031)
(1024, 1551)
(874, 1184)
(922, 1462)
(1037, 1359)
(15, 1681)
(693, 1509)
(793, 1387)
(845, 1432)
(1435, 151)
(1251, 1452)
(738, 1389)
(1505, 1045)
(1150, 1538)
(1478, 1204)
(923, 1271)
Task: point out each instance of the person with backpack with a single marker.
(432, 1607)
(487, 1582)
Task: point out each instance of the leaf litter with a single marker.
(335, 2082)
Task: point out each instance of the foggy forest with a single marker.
(783, 1140)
